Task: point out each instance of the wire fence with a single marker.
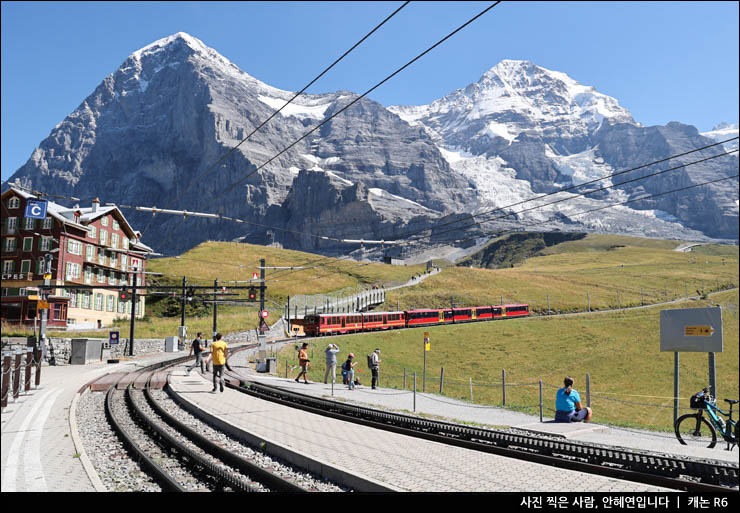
(534, 397)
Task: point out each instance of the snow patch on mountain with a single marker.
(311, 111)
(722, 132)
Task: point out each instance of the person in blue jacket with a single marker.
(568, 404)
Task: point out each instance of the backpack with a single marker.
(345, 367)
(370, 361)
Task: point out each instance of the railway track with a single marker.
(178, 457)
(673, 472)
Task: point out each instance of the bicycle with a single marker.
(695, 430)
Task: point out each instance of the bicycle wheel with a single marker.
(694, 430)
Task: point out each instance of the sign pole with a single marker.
(676, 358)
(712, 376)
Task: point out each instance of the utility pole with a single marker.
(133, 314)
(182, 302)
(261, 338)
(215, 309)
(45, 291)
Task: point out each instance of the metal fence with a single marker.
(17, 368)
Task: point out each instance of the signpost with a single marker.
(427, 348)
(697, 330)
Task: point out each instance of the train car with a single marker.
(515, 311)
(472, 314)
(431, 317)
(319, 325)
(372, 321)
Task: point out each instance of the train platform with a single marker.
(40, 449)
(375, 460)
(444, 408)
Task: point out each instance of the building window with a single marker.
(10, 244)
(89, 252)
(74, 247)
(25, 266)
(27, 243)
(114, 260)
(124, 258)
(45, 243)
(101, 276)
(98, 301)
(111, 278)
(48, 223)
(101, 256)
(14, 202)
(110, 303)
(88, 275)
(73, 271)
(124, 241)
(121, 306)
(114, 240)
(104, 221)
(103, 238)
(116, 226)
(92, 232)
(29, 223)
(86, 300)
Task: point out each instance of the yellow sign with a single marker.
(698, 331)
(42, 305)
(33, 298)
(47, 276)
(427, 346)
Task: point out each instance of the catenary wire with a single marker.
(211, 168)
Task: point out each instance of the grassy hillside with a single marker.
(608, 271)
(631, 380)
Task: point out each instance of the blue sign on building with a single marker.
(36, 209)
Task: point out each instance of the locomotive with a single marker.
(318, 325)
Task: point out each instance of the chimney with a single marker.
(95, 205)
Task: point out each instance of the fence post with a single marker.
(619, 301)
(286, 368)
(503, 386)
(588, 389)
(17, 373)
(441, 380)
(540, 400)
(37, 354)
(414, 391)
(471, 390)
(29, 363)
(548, 304)
(642, 296)
(6, 378)
(588, 300)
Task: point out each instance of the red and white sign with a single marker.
(264, 314)
(255, 276)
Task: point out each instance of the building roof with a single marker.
(87, 215)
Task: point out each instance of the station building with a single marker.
(93, 246)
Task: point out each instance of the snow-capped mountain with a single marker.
(523, 130)
(175, 107)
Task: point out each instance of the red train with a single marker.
(317, 325)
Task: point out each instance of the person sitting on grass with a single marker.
(568, 404)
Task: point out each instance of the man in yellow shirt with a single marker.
(219, 352)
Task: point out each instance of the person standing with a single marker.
(375, 367)
(349, 368)
(331, 363)
(568, 404)
(197, 347)
(304, 362)
(219, 354)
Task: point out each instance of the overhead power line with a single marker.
(207, 171)
(230, 187)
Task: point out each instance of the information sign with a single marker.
(113, 337)
(36, 209)
(696, 330)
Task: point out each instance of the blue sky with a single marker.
(663, 61)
